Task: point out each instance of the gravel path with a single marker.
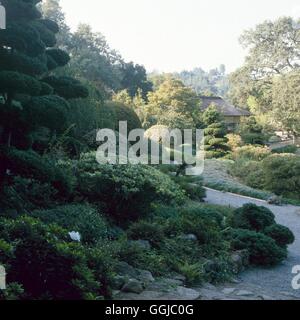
(274, 282)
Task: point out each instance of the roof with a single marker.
(224, 107)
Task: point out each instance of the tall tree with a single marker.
(32, 97)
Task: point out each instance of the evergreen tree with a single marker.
(31, 96)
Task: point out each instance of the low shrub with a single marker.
(79, 218)
(250, 152)
(262, 250)
(283, 236)
(234, 141)
(282, 175)
(143, 230)
(126, 192)
(252, 217)
(48, 265)
(287, 149)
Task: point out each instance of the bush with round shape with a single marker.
(127, 192)
(250, 152)
(263, 250)
(79, 218)
(282, 175)
(281, 234)
(252, 217)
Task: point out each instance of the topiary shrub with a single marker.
(79, 218)
(252, 217)
(126, 192)
(262, 250)
(124, 113)
(282, 235)
(48, 265)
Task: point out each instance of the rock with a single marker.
(145, 276)
(244, 293)
(133, 286)
(239, 260)
(143, 244)
(210, 266)
(118, 282)
(164, 284)
(275, 200)
(124, 269)
(265, 297)
(179, 277)
(182, 293)
(228, 290)
(189, 237)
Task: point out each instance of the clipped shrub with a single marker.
(234, 141)
(79, 218)
(124, 113)
(263, 251)
(282, 175)
(282, 235)
(127, 192)
(252, 217)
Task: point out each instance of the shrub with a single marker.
(282, 175)
(47, 264)
(126, 191)
(250, 152)
(252, 217)
(80, 218)
(287, 149)
(234, 141)
(262, 250)
(124, 113)
(282, 235)
(194, 189)
(143, 230)
(31, 165)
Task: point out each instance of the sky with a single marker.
(176, 35)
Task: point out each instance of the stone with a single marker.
(189, 237)
(275, 200)
(182, 293)
(133, 286)
(228, 290)
(118, 282)
(244, 293)
(179, 277)
(145, 276)
(265, 297)
(240, 260)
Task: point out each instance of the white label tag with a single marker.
(2, 278)
(2, 17)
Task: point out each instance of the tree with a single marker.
(215, 142)
(135, 78)
(286, 102)
(274, 48)
(173, 100)
(31, 97)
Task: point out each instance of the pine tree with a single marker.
(31, 97)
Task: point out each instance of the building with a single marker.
(232, 115)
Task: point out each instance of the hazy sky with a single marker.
(172, 35)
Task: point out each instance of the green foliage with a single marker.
(251, 132)
(287, 149)
(250, 152)
(79, 218)
(215, 143)
(282, 235)
(263, 250)
(211, 115)
(31, 165)
(124, 113)
(252, 217)
(144, 230)
(127, 192)
(282, 175)
(47, 264)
